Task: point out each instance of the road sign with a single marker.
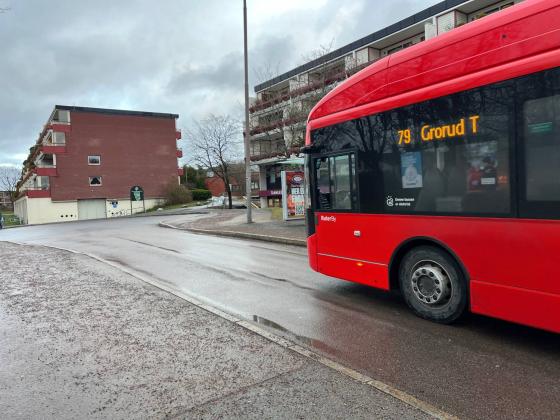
(136, 193)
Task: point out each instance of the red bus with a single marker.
(436, 171)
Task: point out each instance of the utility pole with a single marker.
(247, 136)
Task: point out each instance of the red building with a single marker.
(86, 160)
(217, 187)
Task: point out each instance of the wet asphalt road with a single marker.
(481, 368)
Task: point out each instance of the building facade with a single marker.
(86, 160)
(279, 113)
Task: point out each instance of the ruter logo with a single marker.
(390, 201)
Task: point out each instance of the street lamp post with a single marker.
(247, 147)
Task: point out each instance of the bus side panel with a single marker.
(505, 253)
(527, 307)
(374, 275)
(312, 252)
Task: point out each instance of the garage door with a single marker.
(91, 209)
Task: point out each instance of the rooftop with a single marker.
(115, 111)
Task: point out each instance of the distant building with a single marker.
(217, 188)
(86, 160)
(279, 113)
(5, 200)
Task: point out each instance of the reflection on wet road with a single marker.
(481, 368)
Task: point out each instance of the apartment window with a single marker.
(94, 160)
(95, 181)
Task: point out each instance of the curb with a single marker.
(150, 214)
(242, 235)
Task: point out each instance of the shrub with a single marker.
(201, 195)
(177, 194)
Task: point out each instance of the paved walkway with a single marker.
(80, 339)
(233, 223)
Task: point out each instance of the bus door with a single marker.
(337, 219)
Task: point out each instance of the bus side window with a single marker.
(542, 148)
(323, 184)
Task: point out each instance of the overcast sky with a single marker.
(176, 56)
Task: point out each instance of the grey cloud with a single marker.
(226, 74)
(181, 56)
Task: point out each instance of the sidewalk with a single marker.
(233, 223)
(81, 339)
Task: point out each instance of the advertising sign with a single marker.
(411, 170)
(293, 195)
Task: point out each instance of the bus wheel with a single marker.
(432, 284)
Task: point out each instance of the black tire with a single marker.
(433, 285)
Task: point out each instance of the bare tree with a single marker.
(9, 177)
(265, 72)
(215, 142)
(318, 52)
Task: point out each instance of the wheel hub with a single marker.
(430, 284)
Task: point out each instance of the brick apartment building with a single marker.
(279, 113)
(86, 160)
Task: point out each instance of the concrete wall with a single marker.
(44, 210)
(20, 209)
(123, 206)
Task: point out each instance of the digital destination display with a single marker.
(429, 132)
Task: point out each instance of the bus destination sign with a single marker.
(442, 132)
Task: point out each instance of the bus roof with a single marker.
(527, 29)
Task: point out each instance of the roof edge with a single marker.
(116, 111)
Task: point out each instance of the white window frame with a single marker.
(94, 156)
(96, 185)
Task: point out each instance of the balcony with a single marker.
(46, 171)
(281, 153)
(38, 192)
(180, 171)
(53, 142)
(178, 134)
(53, 148)
(59, 127)
(179, 153)
(277, 125)
(328, 78)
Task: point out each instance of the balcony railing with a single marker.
(46, 171)
(53, 148)
(35, 192)
(277, 124)
(276, 154)
(311, 86)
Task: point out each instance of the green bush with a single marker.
(201, 195)
(177, 194)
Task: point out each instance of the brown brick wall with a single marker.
(134, 150)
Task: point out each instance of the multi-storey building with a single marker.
(86, 160)
(279, 113)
